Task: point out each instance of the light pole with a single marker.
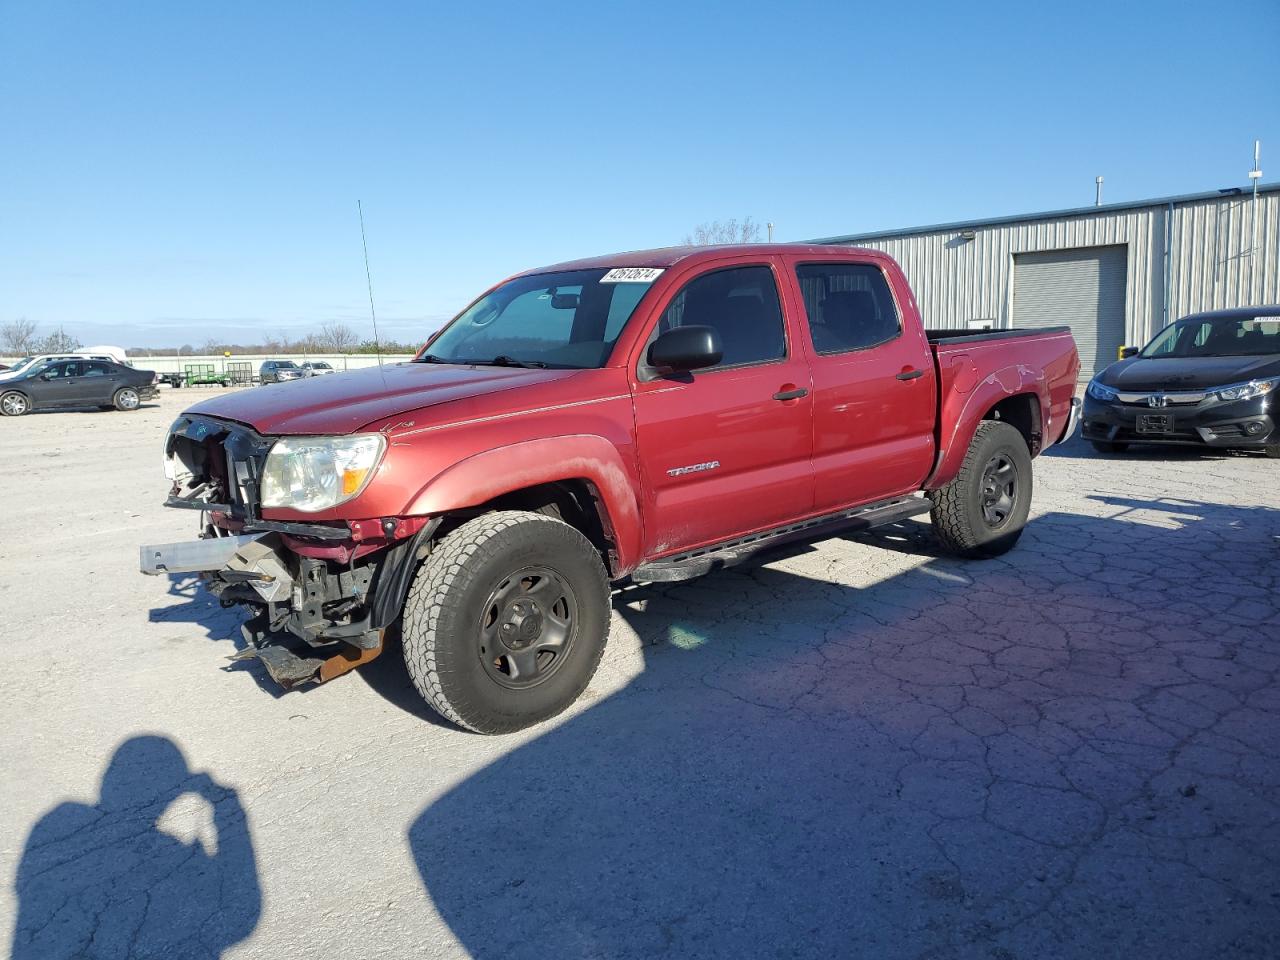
(1097, 198)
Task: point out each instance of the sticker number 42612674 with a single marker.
(632, 275)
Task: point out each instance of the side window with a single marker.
(742, 305)
(63, 371)
(95, 369)
(848, 306)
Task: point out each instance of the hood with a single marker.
(345, 402)
(1187, 373)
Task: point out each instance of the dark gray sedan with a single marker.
(77, 383)
(1209, 380)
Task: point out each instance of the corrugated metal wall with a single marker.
(958, 280)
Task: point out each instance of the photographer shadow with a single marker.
(110, 880)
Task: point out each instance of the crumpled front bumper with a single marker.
(288, 594)
(338, 611)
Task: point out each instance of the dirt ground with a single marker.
(858, 748)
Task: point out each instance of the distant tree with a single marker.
(726, 231)
(186, 350)
(338, 337)
(211, 346)
(57, 342)
(16, 337)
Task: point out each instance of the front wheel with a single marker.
(981, 513)
(506, 621)
(126, 398)
(14, 404)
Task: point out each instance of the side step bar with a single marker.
(686, 566)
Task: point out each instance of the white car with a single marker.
(316, 368)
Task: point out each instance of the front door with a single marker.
(55, 385)
(726, 450)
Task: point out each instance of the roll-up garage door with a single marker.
(1082, 288)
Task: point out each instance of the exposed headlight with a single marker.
(315, 473)
(1100, 391)
(1247, 391)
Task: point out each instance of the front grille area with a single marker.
(215, 465)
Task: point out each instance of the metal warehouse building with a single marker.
(1116, 273)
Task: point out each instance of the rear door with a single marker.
(726, 450)
(874, 384)
(98, 382)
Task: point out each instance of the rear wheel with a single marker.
(126, 398)
(981, 513)
(14, 404)
(1109, 446)
(506, 621)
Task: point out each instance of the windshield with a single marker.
(1217, 337)
(568, 320)
(286, 365)
(21, 365)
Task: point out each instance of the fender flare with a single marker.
(517, 466)
(1004, 383)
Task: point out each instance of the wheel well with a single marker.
(575, 501)
(1022, 412)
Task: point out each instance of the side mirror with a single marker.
(1127, 352)
(686, 348)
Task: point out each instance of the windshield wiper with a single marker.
(502, 360)
(431, 358)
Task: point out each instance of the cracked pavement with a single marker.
(855, 748)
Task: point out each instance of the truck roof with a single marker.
(670, 256)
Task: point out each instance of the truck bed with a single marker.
(978, 336)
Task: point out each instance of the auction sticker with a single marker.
(632, 275)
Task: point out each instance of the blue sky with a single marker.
(171, 171)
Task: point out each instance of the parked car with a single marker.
(36, 362)
(1209, 380)
(3, 367)
(77, 383)
(277, 371)
(316, 368)
(650, 416)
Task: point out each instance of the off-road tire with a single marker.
(1272, 450)
(1109, 446)
(14, 404)
(127, 399)
(958, 515)
(443, 615)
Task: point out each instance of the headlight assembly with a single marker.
(315, 473)
(1247, 391)
(1100, 391)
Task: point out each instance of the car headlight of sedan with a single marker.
(1100, 391)
(1247, 391)
(315, 473)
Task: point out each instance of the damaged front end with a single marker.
(321, 595)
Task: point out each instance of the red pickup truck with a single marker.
(639, 417)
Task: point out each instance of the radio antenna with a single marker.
(377, 342)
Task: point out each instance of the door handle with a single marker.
(791, 394)
(909, 374)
